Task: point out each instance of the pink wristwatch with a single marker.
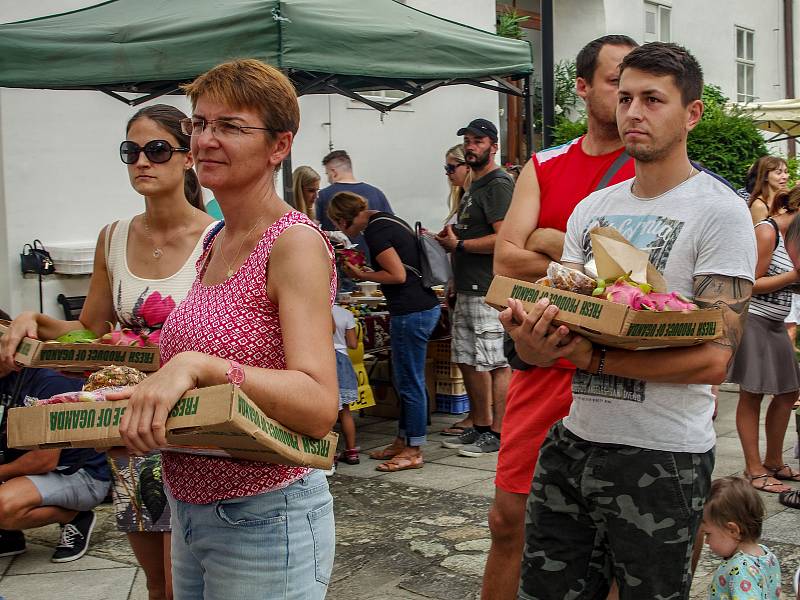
(235, 374)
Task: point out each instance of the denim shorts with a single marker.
(278, 545)
(76, 491)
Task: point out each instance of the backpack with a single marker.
(434, 263)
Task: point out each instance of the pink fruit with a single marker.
(124, 337)
(670, 301)
(353, 256)
(632, 295)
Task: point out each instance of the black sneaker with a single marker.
(75, 538)
(12, 542)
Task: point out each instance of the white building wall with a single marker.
(61, 178)
(705, 27)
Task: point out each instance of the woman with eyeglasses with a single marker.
(459, 177)
(143, 267)
(257, 316)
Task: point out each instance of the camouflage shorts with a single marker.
(599, 512)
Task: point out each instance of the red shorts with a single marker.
(537, 398)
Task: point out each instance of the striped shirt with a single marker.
(778, 304)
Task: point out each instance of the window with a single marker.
(745, 65)
(656, 22)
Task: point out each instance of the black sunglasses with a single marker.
(156, 151)
(450, 169)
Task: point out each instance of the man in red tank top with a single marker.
(548, 189)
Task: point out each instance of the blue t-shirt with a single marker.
(45, 383)
(375, 198)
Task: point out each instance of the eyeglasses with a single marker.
(156, 151)
(220, 128)
(450, 169)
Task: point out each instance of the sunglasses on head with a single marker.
(450, 169)
(156, 151)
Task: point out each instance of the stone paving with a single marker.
(411, 535)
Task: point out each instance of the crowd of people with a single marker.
(605, 455)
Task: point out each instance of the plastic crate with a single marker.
(439, 350)
(450, 388)
(454, 405)
(447, 370)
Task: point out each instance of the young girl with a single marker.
(344, 337)
(732, 523)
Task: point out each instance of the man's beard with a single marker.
(475, 162)
(651, 153)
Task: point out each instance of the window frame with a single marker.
(662, 20)
(745, 57)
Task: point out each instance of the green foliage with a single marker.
(793, 166)
(725, 140)
(566, 130)
(508, 24)
(567, 101)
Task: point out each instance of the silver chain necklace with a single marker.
(157, 252)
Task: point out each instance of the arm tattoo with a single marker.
(732, 295)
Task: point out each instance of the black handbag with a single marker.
(36, 259)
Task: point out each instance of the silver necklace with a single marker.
(157, 252)
(691, 172)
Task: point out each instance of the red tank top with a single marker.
(567, 175)
(235, 320)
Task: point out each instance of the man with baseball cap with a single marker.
(477, 342)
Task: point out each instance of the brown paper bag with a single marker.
(615, 256)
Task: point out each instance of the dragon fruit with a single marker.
(669, 302)
(126, 337)
(353, 256)
(623, 292)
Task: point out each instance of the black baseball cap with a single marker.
(480, 127)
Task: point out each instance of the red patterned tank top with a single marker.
(234, 320)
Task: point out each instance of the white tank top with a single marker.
(144, 304)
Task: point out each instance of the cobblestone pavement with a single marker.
(410, 535)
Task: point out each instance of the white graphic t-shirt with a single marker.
(700, 227)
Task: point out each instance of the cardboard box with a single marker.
(219, 420)
(84, 357)
(610, 323)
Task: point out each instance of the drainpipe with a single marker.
(788, 48)
(548, 80)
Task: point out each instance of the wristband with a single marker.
(235, 374)
(460, 246)
(601, 362)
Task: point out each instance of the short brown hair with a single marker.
(735, 500)
(586, 62)
(346, 206)
(339, 156)
(250, 84)
(788, 201)
(661, 58)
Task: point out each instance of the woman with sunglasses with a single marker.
(143, 267)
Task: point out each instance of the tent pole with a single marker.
(286, 169)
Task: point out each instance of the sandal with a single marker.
(401, 463)
(776, 473)
(766, 487)
(456, 428)
(386, 453)
(350, 456)
(790, 498)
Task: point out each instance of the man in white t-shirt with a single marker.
(620, 483)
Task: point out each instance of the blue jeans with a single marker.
(409, 335)
(278, 545)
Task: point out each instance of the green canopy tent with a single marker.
(147, 48)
